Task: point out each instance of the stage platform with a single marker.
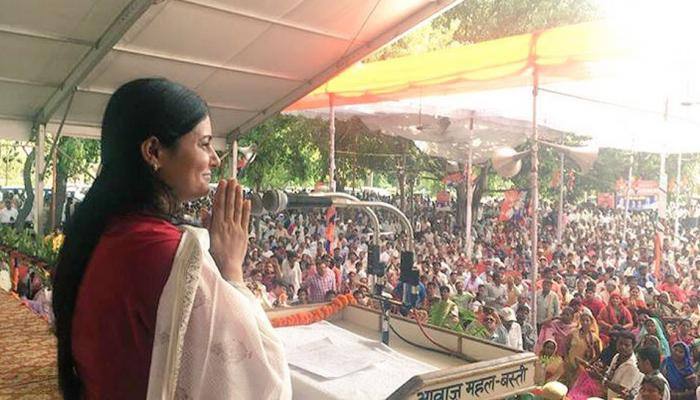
(27, 353)
(402, 371)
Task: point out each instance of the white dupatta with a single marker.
(212, 340)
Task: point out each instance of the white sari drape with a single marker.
(212, 340)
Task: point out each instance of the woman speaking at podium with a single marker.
(147, 306)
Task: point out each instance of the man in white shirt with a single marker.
(10, 213)
(4, 214)
(291, 271)
(547, 303)
(496, 291)
(514, 335)
(649, 362)
(623, 377)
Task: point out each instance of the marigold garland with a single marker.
(318, 314)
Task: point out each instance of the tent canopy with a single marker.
(248, 59)
(622, 87)
(558, 54)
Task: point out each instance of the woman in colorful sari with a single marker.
(586, 346)
(445, 312)
(147, 306)
(683, 332)
(651, 341)
(652, 327)
(615, 313)
(559, 330)
(679, 372)
(549, 366)
(695, 350)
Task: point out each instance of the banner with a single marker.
(513, 200)
(443, 196)
(643, 194)
(606, 200)
(637, 203)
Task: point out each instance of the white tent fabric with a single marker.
(248, 58)
(646, 99)
(441, 130)
(628, 114)
(654, 109)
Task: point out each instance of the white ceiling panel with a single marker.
(120, 67)
(245, 91)
(222, 119)
(270, 9)
(21, 100)
(80, 19)
(386, 15)
(285, 51)
(87, 108)
(175, 32)
(248, 58)
(37, 60)
(343, 18)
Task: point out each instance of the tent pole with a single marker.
(470, 195)
(560, 212)
(54, 190)
(627, 197)
(331, 150)
(676, 225)
(39, 186)
(663, 188)
(234, 159)
(534, 198)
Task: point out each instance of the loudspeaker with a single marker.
(409, 275)
(506, 161)
(373, 266)
(584, 157)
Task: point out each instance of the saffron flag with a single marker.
(330, 229)
(658, 252)
(510, 203)
(572, 180)
(453, 178)
(556, 179)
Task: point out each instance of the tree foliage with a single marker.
(287, 153)
(480, 20)
(76, 157)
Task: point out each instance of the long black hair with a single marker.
(126, 183)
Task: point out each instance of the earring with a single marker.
(155, 167)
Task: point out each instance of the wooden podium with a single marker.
(487, 370)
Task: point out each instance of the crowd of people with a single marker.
(617, 301)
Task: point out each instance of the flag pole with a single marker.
(470, 196)
(535, 196)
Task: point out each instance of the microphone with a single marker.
(256, 204)
(275, 201)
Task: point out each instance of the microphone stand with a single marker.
(344, 200)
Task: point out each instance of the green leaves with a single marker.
(481, 20)
(25, 242)
(287, 153)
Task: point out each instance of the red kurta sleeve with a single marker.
(115, 315)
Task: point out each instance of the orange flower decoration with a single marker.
(318, 314)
